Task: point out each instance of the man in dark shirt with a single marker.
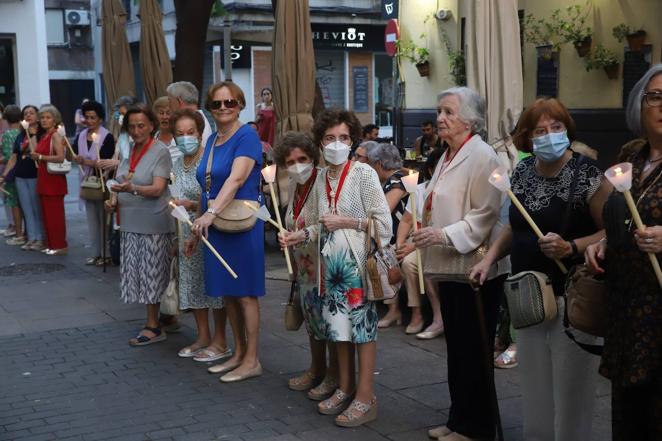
(428, 141)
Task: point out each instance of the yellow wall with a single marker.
(421, 92)
(577, 88)
(581, 89)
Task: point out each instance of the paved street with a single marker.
(68, 373)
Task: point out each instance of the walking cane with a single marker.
(489, 361)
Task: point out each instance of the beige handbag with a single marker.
(236, 217)
(586, 301)
(170, 298)
(293, 311)
(530, 298)
(383, 274)
(92, 190)
(444, 263)
(58, 168)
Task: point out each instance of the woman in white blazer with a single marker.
(462, 210)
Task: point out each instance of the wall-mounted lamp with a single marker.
(443, 14)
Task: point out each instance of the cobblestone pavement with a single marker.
(67, 373)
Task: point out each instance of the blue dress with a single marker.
(244, 252)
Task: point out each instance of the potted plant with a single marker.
(543, 34)
(635, 39)
(603, 58)
(456, 62)
(419, 56)
(571, 24)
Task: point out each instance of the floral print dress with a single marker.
(306, 259)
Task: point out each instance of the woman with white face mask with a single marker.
(558, 378)
(187, 126)
(297, 153)
(347, 193)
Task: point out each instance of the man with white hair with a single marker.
(184, 95)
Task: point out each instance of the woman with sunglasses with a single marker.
(632, 356)
(230, 169)
(348, 194)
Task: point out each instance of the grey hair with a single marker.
(367, 144)
(185, 91)
(387, 154)
(49, 108)
(126, 101)
(472, 107)
(635, 101)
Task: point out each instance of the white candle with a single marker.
(620, 175)
(410, 181)
(94, 137)
(25, 124)
(269, 173)
(499, 179)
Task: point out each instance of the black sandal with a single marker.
(143, 340)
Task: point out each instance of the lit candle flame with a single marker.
(618, 171)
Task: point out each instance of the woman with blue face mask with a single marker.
(186, 127)
(558, 378)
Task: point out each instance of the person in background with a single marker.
(429, 139)
(79, 118)
(93, 144)
(187, 126)
(234, 158)
(146, 230)
(162, 110)
(632, 356)
(267, 151)
(407, 256)
(349, 194)
(266, 117)
(370, 132)
(360, 152)
(123, 145)
(184, 95)
(51, 188)
(12, 115)
(297, 153)
(557, 377)
(25, 174)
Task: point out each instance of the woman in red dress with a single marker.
(266, 117)
(51, 188)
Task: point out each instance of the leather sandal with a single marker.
(507, 359)
(303, 382)
(335, 404)
(358, 413)
(323, 390)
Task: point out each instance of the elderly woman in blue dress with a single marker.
(348, 193)
(233, 156)
(187, 126)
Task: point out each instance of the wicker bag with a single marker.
(530, 298)
(383, 274)
(446, 264)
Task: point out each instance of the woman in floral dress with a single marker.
(298, 154)
(187, 126)
(348, 193)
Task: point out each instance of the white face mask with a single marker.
(300, 172)
(336, 152)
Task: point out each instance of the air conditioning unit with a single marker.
(75, 17)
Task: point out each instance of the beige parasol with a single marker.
(154, 59)
(118, 73)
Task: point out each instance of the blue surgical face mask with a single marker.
(551, 147)
(188, 145)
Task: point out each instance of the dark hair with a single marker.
(369, 128)
(145, 110)
(12, 114)
(187, 113)
(334, 117)
(427, 122)
(544, 106)
(93, 106)
(267, 89)
(252, 123)
(431, 163)
(29, 106)
(235, 90)
(291, 141)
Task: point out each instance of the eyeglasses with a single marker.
(328, 139)
(229, 104)
(653, 99)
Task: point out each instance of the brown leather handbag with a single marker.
(586, 301)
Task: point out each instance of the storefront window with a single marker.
(330, 68)
(383, 92)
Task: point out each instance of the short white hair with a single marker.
(185, 91)
(472, 107)
(636, 99)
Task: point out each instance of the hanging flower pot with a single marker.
(612, 71)
(423, 68)
(583, 47)
(636, 40)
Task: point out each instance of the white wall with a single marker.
(26, 20)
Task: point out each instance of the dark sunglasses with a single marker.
(229, 104)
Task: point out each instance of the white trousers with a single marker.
(558, 381)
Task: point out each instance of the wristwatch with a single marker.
(211, 211)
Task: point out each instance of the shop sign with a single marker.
(348, 37)
(361, 89)
(390, 9)
(240, 54)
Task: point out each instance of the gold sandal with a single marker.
(323, 390)
(303, 382)
(335, 404)
(358, 413)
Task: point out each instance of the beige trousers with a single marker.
(410, 270)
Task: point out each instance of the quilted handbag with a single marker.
(530, 298)
(446, 264)
(383, 274)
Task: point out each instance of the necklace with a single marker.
(192, 159)
(222, 135)
(649, 163)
